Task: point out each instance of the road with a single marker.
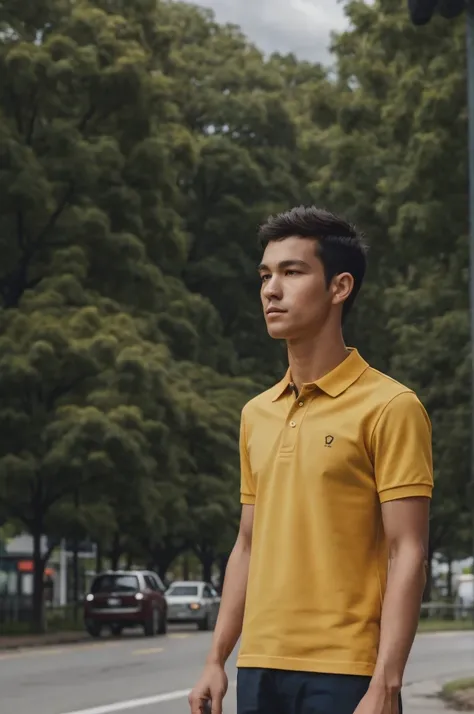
(152, 675)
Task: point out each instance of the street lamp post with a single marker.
(421, 12)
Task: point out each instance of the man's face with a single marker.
(296, 302)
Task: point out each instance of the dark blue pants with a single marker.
(271, 691)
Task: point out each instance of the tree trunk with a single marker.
(162, 562)
(98, 557)
(223, 560)
(207, 561)
(162, 571)
(38, 621)
(185, 566)
(429, 576)
(449, 577)
(75, 577)
(115, 552)
(161, 557)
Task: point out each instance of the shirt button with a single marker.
(300, 404)
(292, 424)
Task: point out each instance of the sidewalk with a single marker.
(423, 698)
(13, 642)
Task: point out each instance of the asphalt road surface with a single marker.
(153, 675)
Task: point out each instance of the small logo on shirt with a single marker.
(328, 441)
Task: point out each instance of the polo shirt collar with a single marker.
(333, 383)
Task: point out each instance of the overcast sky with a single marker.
(299, 26)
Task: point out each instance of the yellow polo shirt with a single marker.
(317, 469)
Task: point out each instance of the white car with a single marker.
(193, 602)
(465, 596)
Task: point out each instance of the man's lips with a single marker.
(274, 310)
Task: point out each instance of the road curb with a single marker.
(29, 642)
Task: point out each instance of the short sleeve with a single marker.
(247, 485)
(402, 450)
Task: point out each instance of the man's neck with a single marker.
(311, 359)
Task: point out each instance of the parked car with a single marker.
(126, 598)
(464, 600)
(193, 602)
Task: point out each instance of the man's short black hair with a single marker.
(340, 247)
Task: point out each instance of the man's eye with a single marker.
(292, 272)
(263, 278)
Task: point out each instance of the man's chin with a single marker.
(278, 332)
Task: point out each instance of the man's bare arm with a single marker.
(406, 524)
(231, 612)
(212, 686)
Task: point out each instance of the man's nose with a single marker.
(272, 288)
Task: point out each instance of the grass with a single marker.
(63, 619)
(459, 685)
(12, 629)
(57, 620)
(432, 625)
(460, 694)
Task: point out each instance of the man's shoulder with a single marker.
(261, 402)
(385, 382)
(385, 389)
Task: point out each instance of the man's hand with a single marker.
(211, 688)
(379, 701)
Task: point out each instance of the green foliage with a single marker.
(103, 428)
(392, 155)
(141, 143)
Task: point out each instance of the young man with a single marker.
(326, 577)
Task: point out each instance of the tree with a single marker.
(241, 110)
(77, 416)
(142, 144)
(396, 163)
(93, 306)
(211, 463)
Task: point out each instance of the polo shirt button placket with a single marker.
(300, 402)
(295, 417)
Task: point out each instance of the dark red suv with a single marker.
(126, 598)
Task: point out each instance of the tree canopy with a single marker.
(141, 144)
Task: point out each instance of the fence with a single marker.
(16, 616)
(446, 611)
(15, 608)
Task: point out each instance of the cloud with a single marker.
(299, 26)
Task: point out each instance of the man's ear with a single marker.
(342, 286)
